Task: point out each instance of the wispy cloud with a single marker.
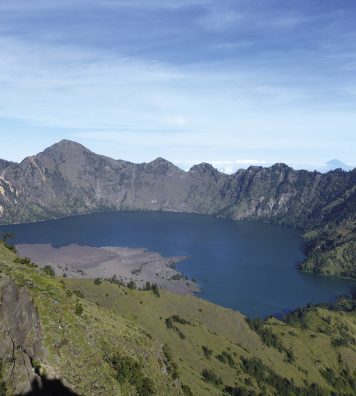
(183, 79)
(225, 166)
(70, 87)
(217, 18)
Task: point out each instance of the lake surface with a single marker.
(250, 267)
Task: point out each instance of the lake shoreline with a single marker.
(125, 264)
(240, 265)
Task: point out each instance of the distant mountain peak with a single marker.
(337, 164)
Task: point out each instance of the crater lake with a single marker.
(247, 266)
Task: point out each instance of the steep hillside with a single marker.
(66, 337)
(105, 339)
(69, 179)
(331, 248)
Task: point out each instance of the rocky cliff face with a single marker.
(281, 194)
(4, 164)
(69, 179)
(20, 336)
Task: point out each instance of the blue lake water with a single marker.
(250, 267)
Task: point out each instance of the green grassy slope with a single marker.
(226, 333)
(172, 340)
(76, 345)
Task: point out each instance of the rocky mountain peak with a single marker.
(162, 165)
(280, 166)
(65, 146)
(204, 167)
(160, 161)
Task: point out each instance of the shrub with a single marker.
(237, 391)
(115, 281)
(11, 248)
(79, 309)
(186, 390)
(178, 319)
(207, 352)
(170, 325)
(226, 358)
(155, 290)
(290, 358)
(339, 341)
(36, 364)
(283, 386)
(78, 293)
(98, 281)
(131, 285)
(221, 358)
(129, 371)
(210, 376)
(5, 238)
(49, 271)
(344, 303)
(146, 387)
(171, 365)
(266, 335)
(22, 260)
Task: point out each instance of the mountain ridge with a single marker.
(68, 179)
(66, 143)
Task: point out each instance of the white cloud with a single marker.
(225, 166)
(69, 87)
(214, 109)
(73, 88)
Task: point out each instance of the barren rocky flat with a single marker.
(138, 265)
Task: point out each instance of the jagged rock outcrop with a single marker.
(20, 335)
(68, 179)
(4, 164)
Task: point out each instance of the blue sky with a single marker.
(228, 82)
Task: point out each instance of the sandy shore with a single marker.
(138, 265)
